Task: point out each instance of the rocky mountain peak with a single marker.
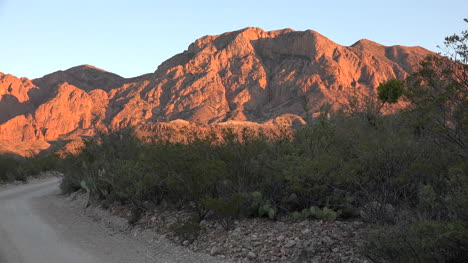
(280, 77)
(86, 77)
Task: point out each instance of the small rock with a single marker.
(335, 250)
(247, 244)
(291, 243)
(280, 238)
(251, 255)
(257, 243)
(186, 243)
(215, 251)
(328, 240)
(236, 232)
(280, 226)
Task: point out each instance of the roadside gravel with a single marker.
(38, 225)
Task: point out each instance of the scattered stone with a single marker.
(215, 251)
(247, 244)
(328, 240)
(290, 244)
(260, 240)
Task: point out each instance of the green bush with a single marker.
(422, 241)
(390, 91)
(335, 163)
(335, 168)
(225, 210)
(16, 168)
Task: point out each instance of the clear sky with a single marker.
(132, 37)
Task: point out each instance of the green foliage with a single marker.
(296, 216)
(335, 163)
(349, 213)
(390, 91)
(421, 241)
(315, 212)
(267, 210)
(323, 214)
(435, 229)
(16, 168)
(11, 169)
(225, 210)
(438, 94)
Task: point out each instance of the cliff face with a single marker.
(256, 75)
(246, 75)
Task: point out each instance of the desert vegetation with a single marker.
(406, 173)
(411, 188)
(17, 168)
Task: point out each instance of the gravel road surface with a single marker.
(37, 225)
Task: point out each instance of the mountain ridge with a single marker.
(248, 75)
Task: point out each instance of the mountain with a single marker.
(240, 77)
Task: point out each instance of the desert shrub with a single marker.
(336, 162)
(11, 169)
(315, 212)
(20, 168)
(325, 213)
(187, 230)
(421, 241)
(100, 158)
(438, 95)
(225, 211)
(433, 227)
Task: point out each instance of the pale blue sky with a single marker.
(133, 37)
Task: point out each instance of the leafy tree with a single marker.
(390, 91)
(438, 94)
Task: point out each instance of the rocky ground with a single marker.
(250, 240)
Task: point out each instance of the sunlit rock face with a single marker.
(274, 77)
(256, 75)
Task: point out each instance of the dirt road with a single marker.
(37, 225)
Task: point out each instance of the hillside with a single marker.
(247, 75)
